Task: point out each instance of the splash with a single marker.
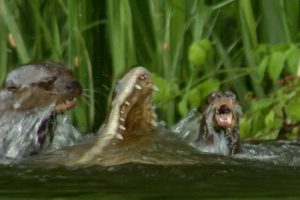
(19, 129)
(284, 153)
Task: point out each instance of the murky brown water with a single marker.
(255, 180)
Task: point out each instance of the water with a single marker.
(136, 181)
(21, 129)
(265, 170)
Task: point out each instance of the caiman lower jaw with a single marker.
(66, 105)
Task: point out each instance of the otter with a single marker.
(214, 126)
(219, 127)
(30, 99)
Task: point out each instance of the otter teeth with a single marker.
(69, 101)
(127, 103)
(137, 86)
(122, 127)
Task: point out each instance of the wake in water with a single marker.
(277, 152)
(22, 128)
(32, 99)
(30, 123)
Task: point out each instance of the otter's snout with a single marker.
(73, 87)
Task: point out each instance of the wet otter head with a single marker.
(39, 85)
(30, 98)
(224, 107)
(219, 128)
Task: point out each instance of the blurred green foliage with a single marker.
(191, 47)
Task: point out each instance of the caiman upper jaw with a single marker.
(136, 110)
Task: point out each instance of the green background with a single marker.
(192, 48)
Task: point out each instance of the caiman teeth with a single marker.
(127, 103)
(153, 123)
(155, 88)
(154, 115)
(119, 136)
(122, 127)
(122, 112)
(122, 119)
(137, 86)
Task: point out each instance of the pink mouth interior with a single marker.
(68, 104)
(225, 119)
(224, 116)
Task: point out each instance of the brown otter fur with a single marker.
(219, 126)
(38, 85)
(30, 98)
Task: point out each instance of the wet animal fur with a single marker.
(214, 138)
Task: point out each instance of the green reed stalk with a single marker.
(153, 33)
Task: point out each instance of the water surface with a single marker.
(257, 180)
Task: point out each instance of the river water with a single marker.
(265, 170)
(258, 180)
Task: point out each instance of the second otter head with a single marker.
(225, 109)
(35, 86)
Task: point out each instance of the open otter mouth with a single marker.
(224, 116)
(219, 127)
(66, 105)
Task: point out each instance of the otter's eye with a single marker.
(68, 87)
(230, 94)
(10, 86)
(72, 85)
(213, 96)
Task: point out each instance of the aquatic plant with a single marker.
(192, 47)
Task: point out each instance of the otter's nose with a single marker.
(74, 87)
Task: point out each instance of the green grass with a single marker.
(191, 47)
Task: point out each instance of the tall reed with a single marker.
(192, 47)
